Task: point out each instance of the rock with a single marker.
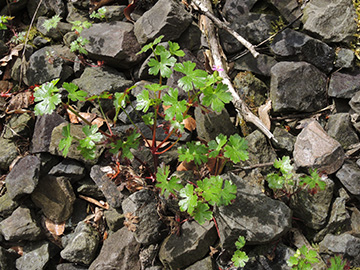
(88, 188)
(74, 152)
(55, 197)
(234, 8)
(54, 33)
(119, 252)
(14, 8)
(343, 244)
(311, 209)
(286, 80)
(344, 58)
(314, 148)
(8, 152)
(344, 85)
(260, 65)
(289, 9)
(204, 264)
(114, 13)
(7, 259)
(211, 124)
(44, 126)
(47, 8)
(35, 256)
(113, 196)
(340, 128)
(331, 20)
(7, 205)
(113, 43)
(20, 226)
(23, 178)
(285, 140)
(355, 102)
(295, 45)
(190, 39)
(349, 176)
(69, 168)
(166, 17)
(70, 266)
(192, 245)
(96, 80)
(253, 215)
(78, 12)
(20, 125)
(82, 245)
(147, 257)
(355, 220)
(44, 68)
(114, 219)
(143, 204)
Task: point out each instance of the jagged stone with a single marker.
(234, 8)
(81, 246)
(355, 221)
(344, 58)
(289, 9)
(344, 85)
(343, 244)
(331, 20)
(298, 46)
(69, 168)
(20, 125)
(192, 245)
(120, 251)
(20, 226)
(70, 266)
(340, 128)
(285, 140)
(166, 17)
(7, 259)
(8, 152)
(286, 80)
(54, 33)
(88, 188)
(349, 175)
(7, 205)
(47, 8)
(147, 257)
(314, 148)
(114, 43)
(204, 264)
(260, 65)
(23, 178)
(55, 197)
(114, 219)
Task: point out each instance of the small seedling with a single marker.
(240, 258)
(303, 259)
(4, 20)
(99, 14)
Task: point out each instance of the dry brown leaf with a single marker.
(186, 166)
(149, 142)
(131, 221)
(55, 228)
(213, 251)
(19, 250)
(98, 121)
(20, 101)
(264, 113)
(14, 52)
(101, 204)
(190, 123)
(129, 9)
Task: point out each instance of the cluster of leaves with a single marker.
(336, 263)
(4, 20)
(303, 259)
(240, 258)
(99, 14)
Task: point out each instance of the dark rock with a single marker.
(55, 197)
(298, 46)
(20, 125)
(88, 188)
(344, 85)
(147, 257)
(54, 33)
(191, 38)
(23, 178)
(80, 213)
(314, 148)
(355, 221)
(343, 243)
(344, 58)
(253, 215)
(120, 251)
(349, 176)
(355, 102)
(82, 245)
(44, 126)
(166, 17)
(143, 204)
(7, 205)
(47, 8)
(70, 266)
(331, 20)
(234, 8)
(20, 226)
(113, 43)
(289, 9)
(114, 13)
(8, 153)
(13, 8)
(114, 219)
(285, 140)
(260, 65)
(204, 264)
(286, 80)
(7, 259)
(69, 168)
(3, 48)
(340, 128)
(113, 196)
(79, 13)
(192, 245)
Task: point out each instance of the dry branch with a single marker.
(212, 39)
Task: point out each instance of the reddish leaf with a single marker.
(55, 228)
(190, 123)
(129, 9)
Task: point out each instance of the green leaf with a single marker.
(92, 137)
(217, 97)
(313, 180)
(275, 181)
(189, 200)
(240, 243)
(210, 189)
(236, 149)
(174, 49)
(284, 165)
(148, 118)
(156, 87)
(217, 145)
(292, 261)
(79, 26)
(228, 193)
(193, 78)
(78, 45)
(143, 101)
(88, 153)
(48, 97)
(74, 93)
(202, 213)
(65, 142)
(239, 258)
(195, 151)
(166, 61)
(151, 45)
(131, 142)
(120, 100)
(336, 263)
(167, 186)
(177, 108)
(51, 23)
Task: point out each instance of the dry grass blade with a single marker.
(101, 204)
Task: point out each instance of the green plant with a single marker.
(336, 263)
(99, 14)
(52, 22)
(240, 258)
(4, 20)
(303, 259)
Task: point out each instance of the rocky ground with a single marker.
(67, 213)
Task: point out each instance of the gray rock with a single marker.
(143, 204)
(114, 13)
(44, 126)
(260, 65)
(77, 12)
(355, 102)
(331, 20)
(285, 140)
(148, 255)
(253, 215)
(211, 124)
(340, 128)
(191, 38)
(88, 187)
(343, 244)
(7, 205)
(20, 125)
(114, 219)
(7, 259)
(192, 245)
(286, 80)
(204, 264)
(313, 209)
(47, 8)
(96, 80)
(113, 196)
(70, 266)
(234, 8)
(113, 43)
(295, 45)
(54, 33)
(36, 256)
(314, 148)
(355, 221)
(82, 245)
(20, 226)
(166, 17)
(289, 9)
(120, 251)
(69, 168)
(48, 64)
(23, 178)
(344, 85)
(349, 176)
(8, 152)
(344, 58)
(55, 197)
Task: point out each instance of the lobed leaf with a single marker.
(48, 98)
(189, 200)
(193, 78)
(167, 187)
(236, 149)
(217, 97)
